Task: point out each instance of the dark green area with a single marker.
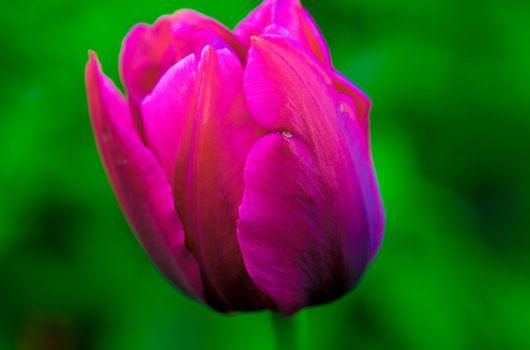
(450, 82)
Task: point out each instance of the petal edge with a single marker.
(139, 183)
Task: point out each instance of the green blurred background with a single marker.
(450, 82)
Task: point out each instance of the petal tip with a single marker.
(208, 55)
(92, 65)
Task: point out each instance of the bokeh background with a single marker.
(450, 82)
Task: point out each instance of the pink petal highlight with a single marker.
(139, 183)
(168, 114)
(287, 89)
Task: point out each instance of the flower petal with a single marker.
(357, 101)
(149, 51)
(314, 37)
(168, 114)
(285, 18)
(287, 228)
(197, 118)
(139, 183)
(290, 19)
(289, 91)
(145, 55)
(359, 149)
(223, 134)
(255, 23)
(291, 16)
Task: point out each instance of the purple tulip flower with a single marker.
(241, 159)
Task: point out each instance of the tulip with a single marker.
(241, 159)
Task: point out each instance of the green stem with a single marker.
(285, 332)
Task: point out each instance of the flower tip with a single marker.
(183, 13)
(208, 53)
(256, 40)
(92, 55)
(92, 65)
(93, 71)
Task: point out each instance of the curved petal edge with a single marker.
(139, 183)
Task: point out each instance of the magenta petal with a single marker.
(222, 136)
(145, 55)
(289, 91)
(191, 31)
(198, 124)
(255, 23)
(285, 18)
(359, 150)
(314, 38)
(290, 18)
(139, 183)
(168, 113)
(357, 100)
(148, 51)
(286, 227)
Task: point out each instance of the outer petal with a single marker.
(357, 100)
(211, 133)
(359, 149)
(287, 227)
(139, 183)
(291, 16)
(148, 51)
(287, 18)
(288, 90)
(290, 19)
(145, 55)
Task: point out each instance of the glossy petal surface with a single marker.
(288, 18)
(139, 183)
(290, 91)
(201, 114)
(149, 51)
(168, 114)
(286, 226)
